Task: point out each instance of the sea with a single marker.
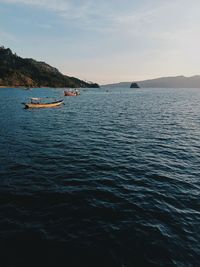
(109, 179)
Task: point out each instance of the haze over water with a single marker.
(111, 178)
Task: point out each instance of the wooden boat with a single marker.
(37, 103)
(71, 93)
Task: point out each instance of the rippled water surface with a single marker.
(111, 178)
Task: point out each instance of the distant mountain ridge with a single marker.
(16, 71)
(163, 82)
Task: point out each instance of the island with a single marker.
(27, 72)
(134, 85)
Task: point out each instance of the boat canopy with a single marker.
(36, 98)
(45, 100)
(41, 98)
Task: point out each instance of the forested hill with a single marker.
(16, 71)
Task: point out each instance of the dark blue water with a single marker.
(111, 178)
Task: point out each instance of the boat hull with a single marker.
(43, 105)
(71, 94)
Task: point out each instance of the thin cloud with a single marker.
(82, 12)
(56, 5)
(7, 36)
(44, 26)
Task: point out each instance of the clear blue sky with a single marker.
(106, 41)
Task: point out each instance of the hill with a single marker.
(118, 85)
(16, 71)
(163, 82)
(172, 82)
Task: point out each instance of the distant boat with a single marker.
(26, 88)
(71, 93)
(40, 103)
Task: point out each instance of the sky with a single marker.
(106, 41)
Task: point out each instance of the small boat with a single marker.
(40, 103)
(71, 93)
